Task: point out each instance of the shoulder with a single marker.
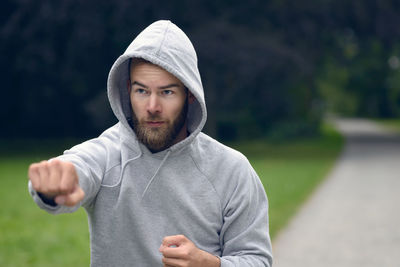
(227, 169)
(215, 149)
(214, 158)
(101, 147)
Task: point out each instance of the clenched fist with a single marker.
(179, 251)
(56, 180)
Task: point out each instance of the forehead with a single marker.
(148, 72)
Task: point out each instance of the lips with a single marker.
(154, 123)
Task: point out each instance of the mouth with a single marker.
(154, 123)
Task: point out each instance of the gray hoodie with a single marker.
(198, 187)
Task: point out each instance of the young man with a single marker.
(158, 191)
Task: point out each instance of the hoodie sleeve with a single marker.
(90, 159)
(245, 233)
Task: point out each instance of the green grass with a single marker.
(393, 124)
(291, 170)
(31, 237)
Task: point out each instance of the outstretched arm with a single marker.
(63, 184)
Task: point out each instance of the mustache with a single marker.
(153, 117)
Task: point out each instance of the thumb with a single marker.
(72, 198)
(174, 241)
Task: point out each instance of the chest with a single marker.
(159, 200)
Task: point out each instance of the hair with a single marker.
(136, 61)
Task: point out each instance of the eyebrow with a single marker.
(161, 87)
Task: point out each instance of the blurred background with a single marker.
(269, 68)
(272, 71)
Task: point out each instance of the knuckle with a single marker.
(44, 164)
(41, 167)
(32, 173)
(55, 163)
(69, 168)
(33, 167)
(68, 165)
(185, 253)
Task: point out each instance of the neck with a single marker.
(183, 133)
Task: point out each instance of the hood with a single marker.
(163, 44)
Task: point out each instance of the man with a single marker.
(157, 191)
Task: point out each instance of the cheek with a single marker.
(176, 108)
(136, 107)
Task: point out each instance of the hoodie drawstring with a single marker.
(122, 171)
(155, 174)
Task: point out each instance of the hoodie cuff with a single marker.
(46, 200)
(40, 202)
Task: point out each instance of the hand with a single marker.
(179, 251)
(56, 179)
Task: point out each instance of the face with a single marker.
(159, 104)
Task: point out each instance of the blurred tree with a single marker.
(364, 44)
(268, 67)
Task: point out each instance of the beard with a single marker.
(157, 139)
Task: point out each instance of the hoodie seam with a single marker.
(209, 181)
(162, 41)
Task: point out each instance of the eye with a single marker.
(140, 91)
(167, 92)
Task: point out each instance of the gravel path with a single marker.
(353, 218)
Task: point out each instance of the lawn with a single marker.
(30, 237)
(393, 124)
(291, 170)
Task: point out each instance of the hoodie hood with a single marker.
(163, 44)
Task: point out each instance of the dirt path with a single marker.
(353, 218)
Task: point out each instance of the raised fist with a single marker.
(56, 180)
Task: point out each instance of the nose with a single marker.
(153, 105)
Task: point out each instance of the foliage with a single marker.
(265, 64)
(360, 75)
